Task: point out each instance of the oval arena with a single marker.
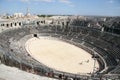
(60, 55)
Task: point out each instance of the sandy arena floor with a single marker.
(60, 55)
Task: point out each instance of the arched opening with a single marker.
(19, 23)
(42, 21)
(37, 23)
(35, 35)
(7, 25)
(11, 24)
(15, 24)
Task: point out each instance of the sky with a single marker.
(62, 7)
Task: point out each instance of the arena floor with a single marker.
(60, 55)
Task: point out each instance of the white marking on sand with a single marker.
(60, 55)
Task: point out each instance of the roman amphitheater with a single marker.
(65, 49)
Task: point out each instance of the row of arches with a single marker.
(11, 24)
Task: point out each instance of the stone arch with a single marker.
(41, 21)
(7, 25)
(20, 23)
(11, 24)
(37, 22)
(3, 24)
(15, 24)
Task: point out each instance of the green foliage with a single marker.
(44, 15)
